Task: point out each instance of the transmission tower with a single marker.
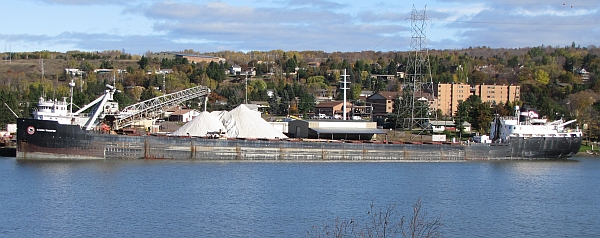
(418, 83)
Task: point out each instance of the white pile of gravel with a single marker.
(241, 122)
(249, 124)
(200, 126)
(226, 120)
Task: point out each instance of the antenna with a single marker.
(419, 81)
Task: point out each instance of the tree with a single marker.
(11, 99)
(143, 63)
(316, 82)
(461, 116)
(513, 61)
(541, 77)
(384, 222)
(480, 116)
(290, 65)
(274, 106)
(306, 103)
(149, 93)
(106, 64)
(401, 110)
(216, 71)
(580, 105)
(477, 77)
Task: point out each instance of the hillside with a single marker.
(558, 81)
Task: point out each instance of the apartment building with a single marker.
(382, 102)
(450, 95)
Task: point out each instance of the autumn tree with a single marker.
(541, 77)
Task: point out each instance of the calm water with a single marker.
(197, 199)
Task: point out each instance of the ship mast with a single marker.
(71, 86)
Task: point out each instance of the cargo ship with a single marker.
(55, 132)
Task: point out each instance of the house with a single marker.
(200, 58)
(384, 77)
(106, 71)
(382, 102)
(585, 75)
(74, 72)
(333, 108)
(235, 69)
(160, 71)
(259, 106)
(183, 115)
(313, 64)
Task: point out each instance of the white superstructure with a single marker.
(529, 126)
(62, 111)
(53, 110)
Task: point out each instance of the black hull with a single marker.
(38, 139)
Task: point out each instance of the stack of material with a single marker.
(242, 122)
(226, 119)
(200, 126)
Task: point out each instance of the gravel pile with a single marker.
(240, 122)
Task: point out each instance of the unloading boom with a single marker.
(155, 107)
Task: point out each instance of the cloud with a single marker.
(266, 28)
(493, 28)
(85, 2)
(329, 25)
(316, 4)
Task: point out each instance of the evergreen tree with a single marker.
(143, 63)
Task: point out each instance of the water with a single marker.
(197, 199)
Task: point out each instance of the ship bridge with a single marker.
(155, 107)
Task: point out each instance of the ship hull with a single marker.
(37, 139)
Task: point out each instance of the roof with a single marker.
(389, 95)
(195, 55)
(181, 112)
(332, 104)
(330, 130)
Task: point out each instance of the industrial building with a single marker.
(334, 129)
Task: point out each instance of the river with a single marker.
(282, 199)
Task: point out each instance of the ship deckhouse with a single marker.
(53, 110)
(525, 127)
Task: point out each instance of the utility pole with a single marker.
(344, 87)
(42, 63)
(419, 80)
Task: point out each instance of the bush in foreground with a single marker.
(382, 223)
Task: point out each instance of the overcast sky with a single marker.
(137, 26)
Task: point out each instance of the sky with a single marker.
(139, 26)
